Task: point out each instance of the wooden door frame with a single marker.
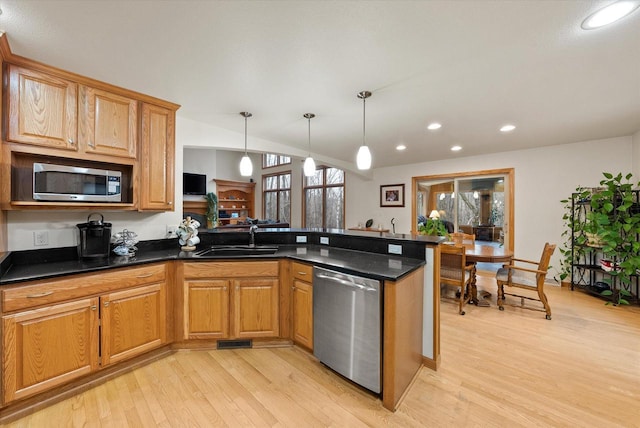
(509, 196)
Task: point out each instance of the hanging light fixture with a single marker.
(309, 164)
(246, 167)
(363, 159)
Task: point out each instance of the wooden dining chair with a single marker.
(528, 278)
(463, 238)
(455, 271)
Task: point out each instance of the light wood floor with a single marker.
(511, 368)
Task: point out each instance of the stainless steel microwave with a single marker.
(70, 183)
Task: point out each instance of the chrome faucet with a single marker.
(252, 235)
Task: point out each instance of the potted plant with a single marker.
(615, 218)
(212, 210)
(572, 247)
(432, 226)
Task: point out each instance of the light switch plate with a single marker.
(301, 239)
(324, 240)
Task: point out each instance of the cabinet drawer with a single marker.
(45, 292)
(231, 269)
(302, 271)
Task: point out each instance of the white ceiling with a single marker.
(471, 65)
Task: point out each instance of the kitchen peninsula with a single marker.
(165, 299)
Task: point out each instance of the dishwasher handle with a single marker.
(347, 283)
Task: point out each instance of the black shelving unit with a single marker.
(587, 273)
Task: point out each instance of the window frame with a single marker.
(324, 187)
(277, 191)
(278, 163)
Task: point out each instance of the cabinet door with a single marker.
(207, 309)
(302, 301)
(107, 123)
(255, 308)
(42, 109)
(133, 322)
(157, 158)
(46, 347)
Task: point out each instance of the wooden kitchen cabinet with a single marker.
(42, 109)
(231, 300)
(156, 159)
(108, 123)
(46, 347)
(58, 330)
(302, 304)
(255, 308)
(208, 308)
(133, 322)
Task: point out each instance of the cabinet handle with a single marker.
(70, 141)
(145, 276)
(237, 288)
(170, 202)
(224, 288)
(37, 295)
(301, 273)
(94, 307)
(106, 304)
(92, 144)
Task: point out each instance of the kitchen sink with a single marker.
(236, 250)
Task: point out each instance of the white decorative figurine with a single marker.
(188, 234)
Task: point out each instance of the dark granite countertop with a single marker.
(32, 265)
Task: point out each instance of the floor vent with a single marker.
(234, 344)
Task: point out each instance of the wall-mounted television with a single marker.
(194, 184)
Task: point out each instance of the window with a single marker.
(270, 160)
(276, 197)
(323, 196)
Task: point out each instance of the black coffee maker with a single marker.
(95, 238)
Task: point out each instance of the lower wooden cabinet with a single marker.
(302, 304)
(44, 347)
(208, 308)
(255, 308)
(133, 322)
(231, 300)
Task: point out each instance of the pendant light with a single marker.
(363, 159)
(309, 164)
(246, 167)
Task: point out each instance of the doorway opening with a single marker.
(475, 202)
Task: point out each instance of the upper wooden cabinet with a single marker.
(52, 115)
(50, 111)
(107, 123)
(42, 109)
(157, 154)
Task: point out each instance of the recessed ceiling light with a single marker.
(507, 128)
(609, 14)
(401, 147)
(456, 148)
(433, 126)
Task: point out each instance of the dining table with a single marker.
(482, 253)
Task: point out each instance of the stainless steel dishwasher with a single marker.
(347, 325)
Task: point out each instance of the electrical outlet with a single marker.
(301, 239)
(395, 249)
(324, 240)
(171, 231)
(41, 238)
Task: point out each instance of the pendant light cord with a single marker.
(364, 120)
(309, 120)
(245, 136)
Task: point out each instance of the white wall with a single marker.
(635, 156)
(543, 176)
